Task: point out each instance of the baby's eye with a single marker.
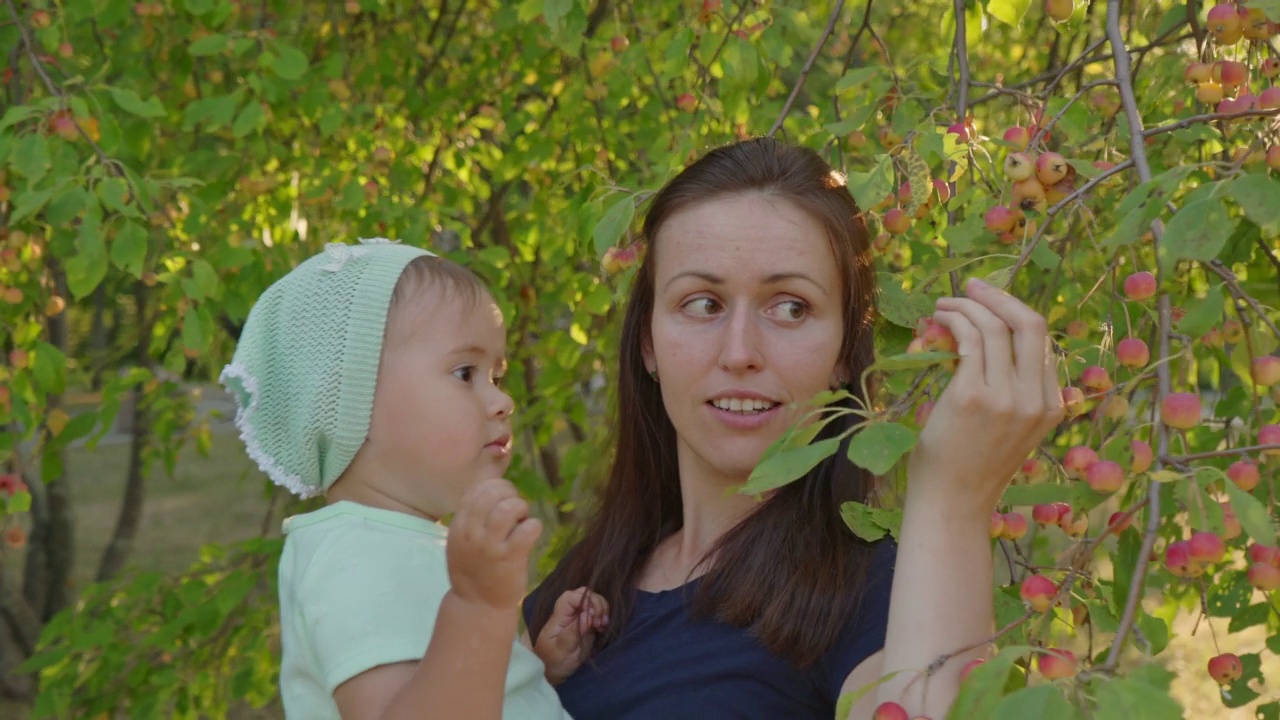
(500, 379)
(466, 373)
(702, 307)
(791, 309)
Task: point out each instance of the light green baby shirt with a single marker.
(360, 587)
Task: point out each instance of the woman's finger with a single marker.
(1029, 333)
(1053, 402)
(969, 345)
(996, 346)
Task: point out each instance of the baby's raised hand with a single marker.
(570, 632)
(489, 543)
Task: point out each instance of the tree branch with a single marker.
(1138, 154)
(808, 65)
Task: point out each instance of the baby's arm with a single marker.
(566, 639)
(463, 673)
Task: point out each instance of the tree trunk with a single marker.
(98, 342)
(61, 526)
(130, 516)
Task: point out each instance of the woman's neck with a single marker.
(711, 508)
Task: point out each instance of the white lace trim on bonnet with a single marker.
(244, 414)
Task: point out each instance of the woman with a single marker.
(756, 293)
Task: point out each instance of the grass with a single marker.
(220, 499)
(215, 499)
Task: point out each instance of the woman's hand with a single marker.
(570, 632)
(1001, 402)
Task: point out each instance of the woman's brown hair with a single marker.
(791, 571)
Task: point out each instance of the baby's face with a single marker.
(441, 421)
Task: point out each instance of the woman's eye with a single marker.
(465, 373)
(702, 307)
(792, 309)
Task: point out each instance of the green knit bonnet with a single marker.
(305, 368)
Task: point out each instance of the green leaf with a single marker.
(1256, 195)
(1009, 12)
(855, 76)
(208, 45)
(193, 337)
(1042, 702)
(1204, 314)
(1253, 515)
(198, 7)
(598, 299)
(1270, 8)
(1249, 617)
(787, 465)
(871, 523)
(1155, 631)
(1036, 494)
(962, 236)
(982, 691)
(870, 187)
(28, 204)
(912, 361)
(1230, 598)
(19, 503)
(31, 157)
(17, 114)
(878, 446)
(129, 101)
(1075, 123)
(214, 112)
(1197, 232)
(114, 193)
(79, 426)
(1126, 699)
(555, 10)
(129, 249)
(1173, 18)
(899, 306)
(1128, 548)
(613, 224)
(1043, 257)
(48, 366)
(249, 119)
(289, 62)
(88, 266)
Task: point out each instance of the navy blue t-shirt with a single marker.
(667, 665)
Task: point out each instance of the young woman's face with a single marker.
(747, 324)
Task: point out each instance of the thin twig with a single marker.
(1226, 452)
(962, 110)
(808, 65)
(1138, 154)
(1233, 285)
(1207, 118)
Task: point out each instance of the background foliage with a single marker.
(162, 162)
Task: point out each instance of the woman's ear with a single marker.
(646, 352)
(840, 376)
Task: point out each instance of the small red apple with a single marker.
(1140, 285)
(1180, 410)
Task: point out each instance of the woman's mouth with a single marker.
(743, 406)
